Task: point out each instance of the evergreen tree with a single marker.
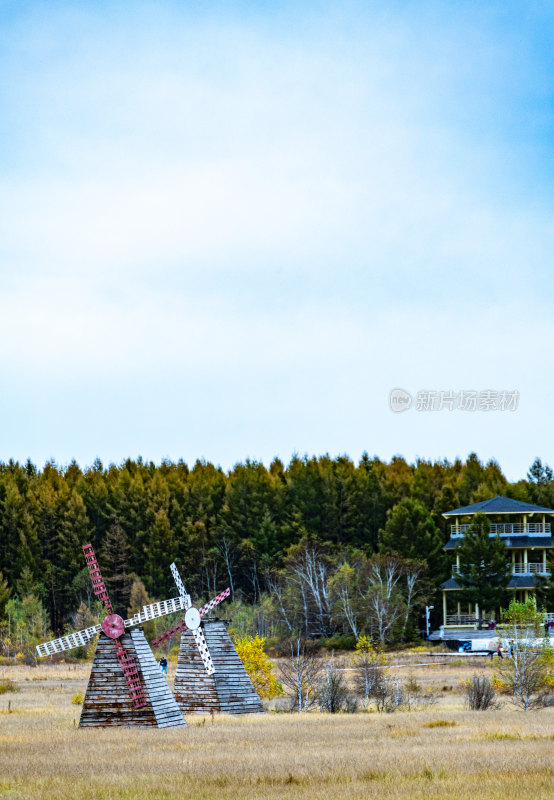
(373, 500)
(471, 476)
(446, 500)
(484, 567)
(5, 593)
(93, 488)
(160, 554)
(411, 532)
(19, 544)
(139, 598)
(541, 484)
(306, 493)
(114, 558)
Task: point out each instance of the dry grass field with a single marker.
(441, 752)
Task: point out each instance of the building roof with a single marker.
(522, 582)
(498, 505)
(516, 582)
(450, 584)
(509, 541)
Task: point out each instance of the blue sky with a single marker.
(229, 230)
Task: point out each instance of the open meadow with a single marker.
(441, 751)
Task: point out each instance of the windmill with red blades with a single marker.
(126, 686)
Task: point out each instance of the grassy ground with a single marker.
(441, 752)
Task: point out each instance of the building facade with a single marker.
(524, 528)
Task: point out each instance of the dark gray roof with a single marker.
(522, 582)
(516, 582)
(499, 505)
(450, 584)
(509, 541)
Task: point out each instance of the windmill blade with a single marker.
(215, 602)
(181, 626)
(130, 673)
(98, 585)
(199, 634)
(165, 637)
(68, 642)
(180, 585)
(202, 645)
(199, 638)
(155, 610)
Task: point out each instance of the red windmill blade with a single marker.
(113, 626)
(195, 616)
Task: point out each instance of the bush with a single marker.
(370, 665)
(530, 667)
(300, 673)
(339, 641)
(500, 686)
(440, 723)
(412, 686)
(480, 695)
(250, 650)
(77, 699)
(333, 693)
(8, 686)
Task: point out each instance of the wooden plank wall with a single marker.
(107, 701)
(194, 689)
(229, 690)
(166, 710)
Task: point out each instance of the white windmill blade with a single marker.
(202, 645)
(192, 620)
(80, 638)
(180, 585)
(155, 610)
(77, 639)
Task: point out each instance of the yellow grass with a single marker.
(443, 752)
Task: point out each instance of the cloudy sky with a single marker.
(228, 230)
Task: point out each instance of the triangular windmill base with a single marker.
(229, 690)
(107, 701)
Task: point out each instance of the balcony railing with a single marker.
(520, 569)
(461, 619)
(471, 619)
(509, 529)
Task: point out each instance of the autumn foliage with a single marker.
(258, 666)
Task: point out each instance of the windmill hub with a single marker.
(192, 618)
(113, 626)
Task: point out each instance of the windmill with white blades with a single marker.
(126, 686)
(192, 620)
(210, 676)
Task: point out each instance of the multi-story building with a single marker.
(525, 531)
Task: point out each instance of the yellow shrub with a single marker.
(500, 686)
(258, 666)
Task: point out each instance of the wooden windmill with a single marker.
(126, 686)
(210, 676)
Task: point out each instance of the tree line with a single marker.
(316, 536)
